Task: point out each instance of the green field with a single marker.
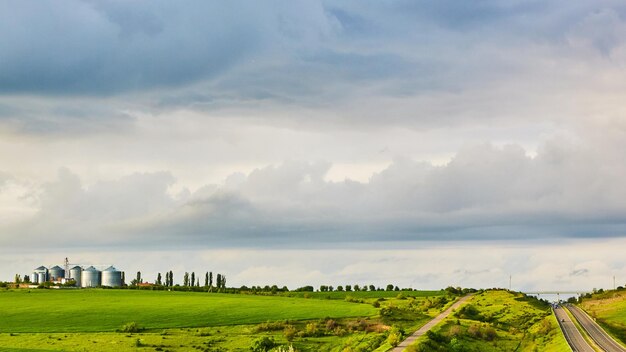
(609, 310)
(107, 310)
(497, 320)
(88, 320)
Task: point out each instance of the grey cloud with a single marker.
(579, 272)
(76, 47)
(483, 193)
(63, 117)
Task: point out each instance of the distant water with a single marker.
(555, 298)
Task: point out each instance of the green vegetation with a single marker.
(120, 320)
(108, 310)
(609, 310)
(496, 320)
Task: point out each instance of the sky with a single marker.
(420, 143)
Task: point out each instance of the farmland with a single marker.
(84, 320)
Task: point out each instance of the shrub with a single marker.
(490, 334)
(130, 327)
(270, 326)
(311, 330)
(263, 344)
(395, 336)
(474, 331)
(455, 330)
(290, 332)
(330, 325)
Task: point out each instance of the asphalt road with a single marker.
(421, 331)
(601, 338)
(572, 335)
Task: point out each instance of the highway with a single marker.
(601, 338)
(572, 335)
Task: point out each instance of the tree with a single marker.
(218, 281)
(389, 287)
(186, 279)
(206, 279)
(372, 288)
(26, 279)
(210, 279)
(123, 278)
(171, 278)
(223, 281)
(18, 279)
(158, 279)
(198, 282)
(193, 279)
(139, 277)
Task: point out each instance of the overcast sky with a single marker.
(350, 132)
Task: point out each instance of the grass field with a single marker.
(87, 320)
(497, 320)
(609, 309)
(107, 310)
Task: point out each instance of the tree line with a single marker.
(189, 280)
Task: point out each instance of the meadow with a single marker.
(609, 310)
(88, 320)
(108, 310)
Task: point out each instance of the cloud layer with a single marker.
(484, 192)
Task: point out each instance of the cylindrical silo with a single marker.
(90, 277)
(56, 273)
(34, 278)
(75, 274)
(42, 275)
(111, 277)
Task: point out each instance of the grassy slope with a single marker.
(107, 310)
(609, 309)
(519, 323)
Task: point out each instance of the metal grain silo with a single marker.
(90, 277)
(111, 277)
(56, 273)
(40, 275)
(75, 274)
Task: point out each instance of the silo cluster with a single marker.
(88, 277)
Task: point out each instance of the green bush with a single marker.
(130, 327)
(263, 344)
